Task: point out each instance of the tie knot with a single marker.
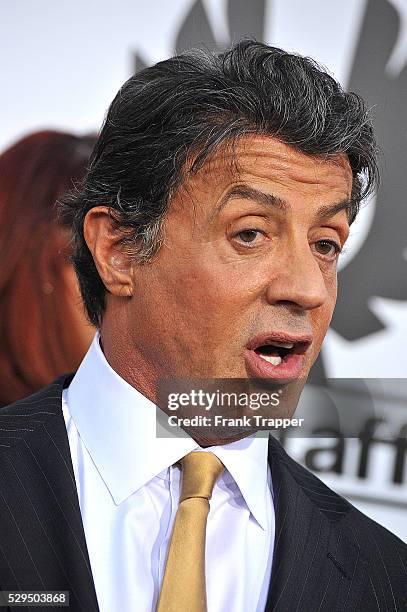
(200, 471)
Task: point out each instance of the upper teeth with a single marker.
(271, 359)
(287, 345)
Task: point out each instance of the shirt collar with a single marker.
(117, 424)
(247, 462)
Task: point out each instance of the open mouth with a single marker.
(277, 355)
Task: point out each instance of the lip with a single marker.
(292, 365)
(303, 340)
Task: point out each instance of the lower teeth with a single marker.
(271, 359)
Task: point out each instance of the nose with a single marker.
(297, 280)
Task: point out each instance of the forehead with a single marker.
(265, 162)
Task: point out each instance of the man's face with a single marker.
(248, 263)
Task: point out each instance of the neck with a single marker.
(129, 362)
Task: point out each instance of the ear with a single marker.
(112, 262)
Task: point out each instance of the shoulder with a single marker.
(376, 539)
(380, 555)
(46, 395)
(364, 531)
(27, 415)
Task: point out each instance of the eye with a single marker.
(328, 248)
(248, 236)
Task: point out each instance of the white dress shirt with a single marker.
(128, 494)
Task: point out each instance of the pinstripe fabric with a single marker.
(328, 556)
(42, 543)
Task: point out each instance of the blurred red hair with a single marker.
(39, 309)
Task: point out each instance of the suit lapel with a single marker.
(316, 566)
(42, 540)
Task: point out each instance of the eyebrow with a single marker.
(271, 201)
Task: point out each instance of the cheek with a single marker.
(208, 309)
(209, 286)
(321, 317)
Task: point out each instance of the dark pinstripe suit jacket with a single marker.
(328, 556)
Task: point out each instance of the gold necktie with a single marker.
(183, 588)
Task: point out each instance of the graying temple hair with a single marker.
(187, 106)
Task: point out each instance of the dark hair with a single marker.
(39, 337)
(182, 109)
